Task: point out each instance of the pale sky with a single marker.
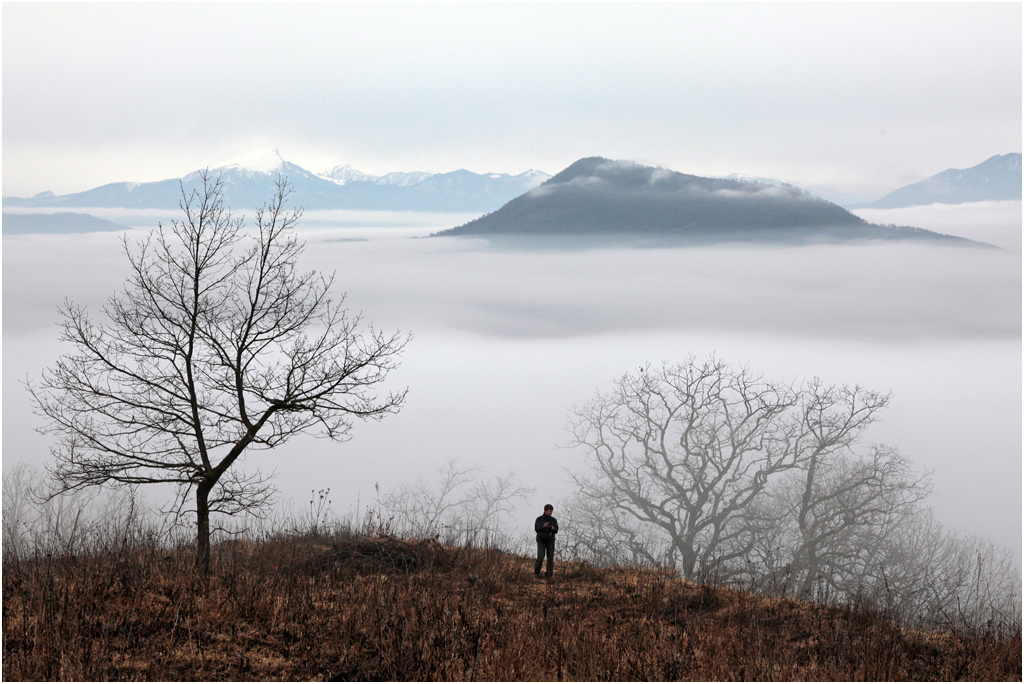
(861, 98)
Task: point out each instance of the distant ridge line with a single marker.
(998, 178)
(249, 182)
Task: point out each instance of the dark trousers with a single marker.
(545, 547)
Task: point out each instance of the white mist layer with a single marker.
(997, 223)
(505, 342)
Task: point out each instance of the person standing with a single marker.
(546, 528)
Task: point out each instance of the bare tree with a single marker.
(18, 499)
(460, 499)
(838, 516)
(687, 448)
(423, 507)
(844, 505)
(730, 477)
(597, 531)
(493, 500)
(35, 523)
(935, 577)
(845, 509)
(210, 351)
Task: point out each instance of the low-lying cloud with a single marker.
(884, 291)
(870, 292)
(506, 340)
(997, 223)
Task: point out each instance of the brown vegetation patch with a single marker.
(381, 608)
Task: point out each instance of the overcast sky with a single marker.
(862, 98)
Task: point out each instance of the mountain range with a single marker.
(592, 196)
(249, 182)
(996, 178)
(597, 198)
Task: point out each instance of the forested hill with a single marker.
(601, 197)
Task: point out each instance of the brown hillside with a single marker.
(387, 609)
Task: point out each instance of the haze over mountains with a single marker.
(249, 183)
(996, 178)
(60, 223)
(594, 196)
(601, 198)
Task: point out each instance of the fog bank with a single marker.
(997, 223)
(506, 341)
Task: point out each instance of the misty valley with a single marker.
(511, 339)
(732, 383)
(512, 342)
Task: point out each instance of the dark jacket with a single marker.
(546, 528)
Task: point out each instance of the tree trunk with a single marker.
(685, 543)
(203, 530)
(689, 558)
(811, 574)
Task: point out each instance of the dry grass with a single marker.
(312, 608)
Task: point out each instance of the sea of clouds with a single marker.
(507, 340)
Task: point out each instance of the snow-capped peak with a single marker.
(403, 178)
(262, 161)
(534, 174)
(343, 173)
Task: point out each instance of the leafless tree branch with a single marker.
(217, 345)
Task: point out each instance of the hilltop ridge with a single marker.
(368, 608)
